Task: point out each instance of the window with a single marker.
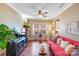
(39, 29)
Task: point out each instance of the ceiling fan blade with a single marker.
(44, 15)
(45, 12)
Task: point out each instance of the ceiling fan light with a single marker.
(40, 15)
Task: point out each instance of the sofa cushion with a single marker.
(57, 50)
(60, 53)
(64, 44)
(75, 52)
(69, 49)
(59, 41)
(71, 41)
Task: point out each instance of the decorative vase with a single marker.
(3, 52)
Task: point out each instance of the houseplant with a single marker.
(6, 35)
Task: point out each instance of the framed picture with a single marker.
(73, 28)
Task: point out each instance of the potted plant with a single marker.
(6, 35)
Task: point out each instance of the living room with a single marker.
(31, 29)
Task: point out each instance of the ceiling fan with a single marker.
(42, 13)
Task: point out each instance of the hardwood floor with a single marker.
(33, 49)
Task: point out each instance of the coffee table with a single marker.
(42, 51)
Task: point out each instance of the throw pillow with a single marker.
(75, 52)
(59, 41)
(69, 49)
(64, 44)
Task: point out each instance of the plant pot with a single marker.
(3, 52)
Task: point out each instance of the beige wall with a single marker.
(9, 17)
(31, 22)
(68, 16)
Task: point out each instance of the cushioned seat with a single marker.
(56, 49)
(59, 51)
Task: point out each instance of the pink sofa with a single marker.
(57, 50)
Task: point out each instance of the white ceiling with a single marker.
(30, 9)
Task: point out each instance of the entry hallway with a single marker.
(33, 49)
